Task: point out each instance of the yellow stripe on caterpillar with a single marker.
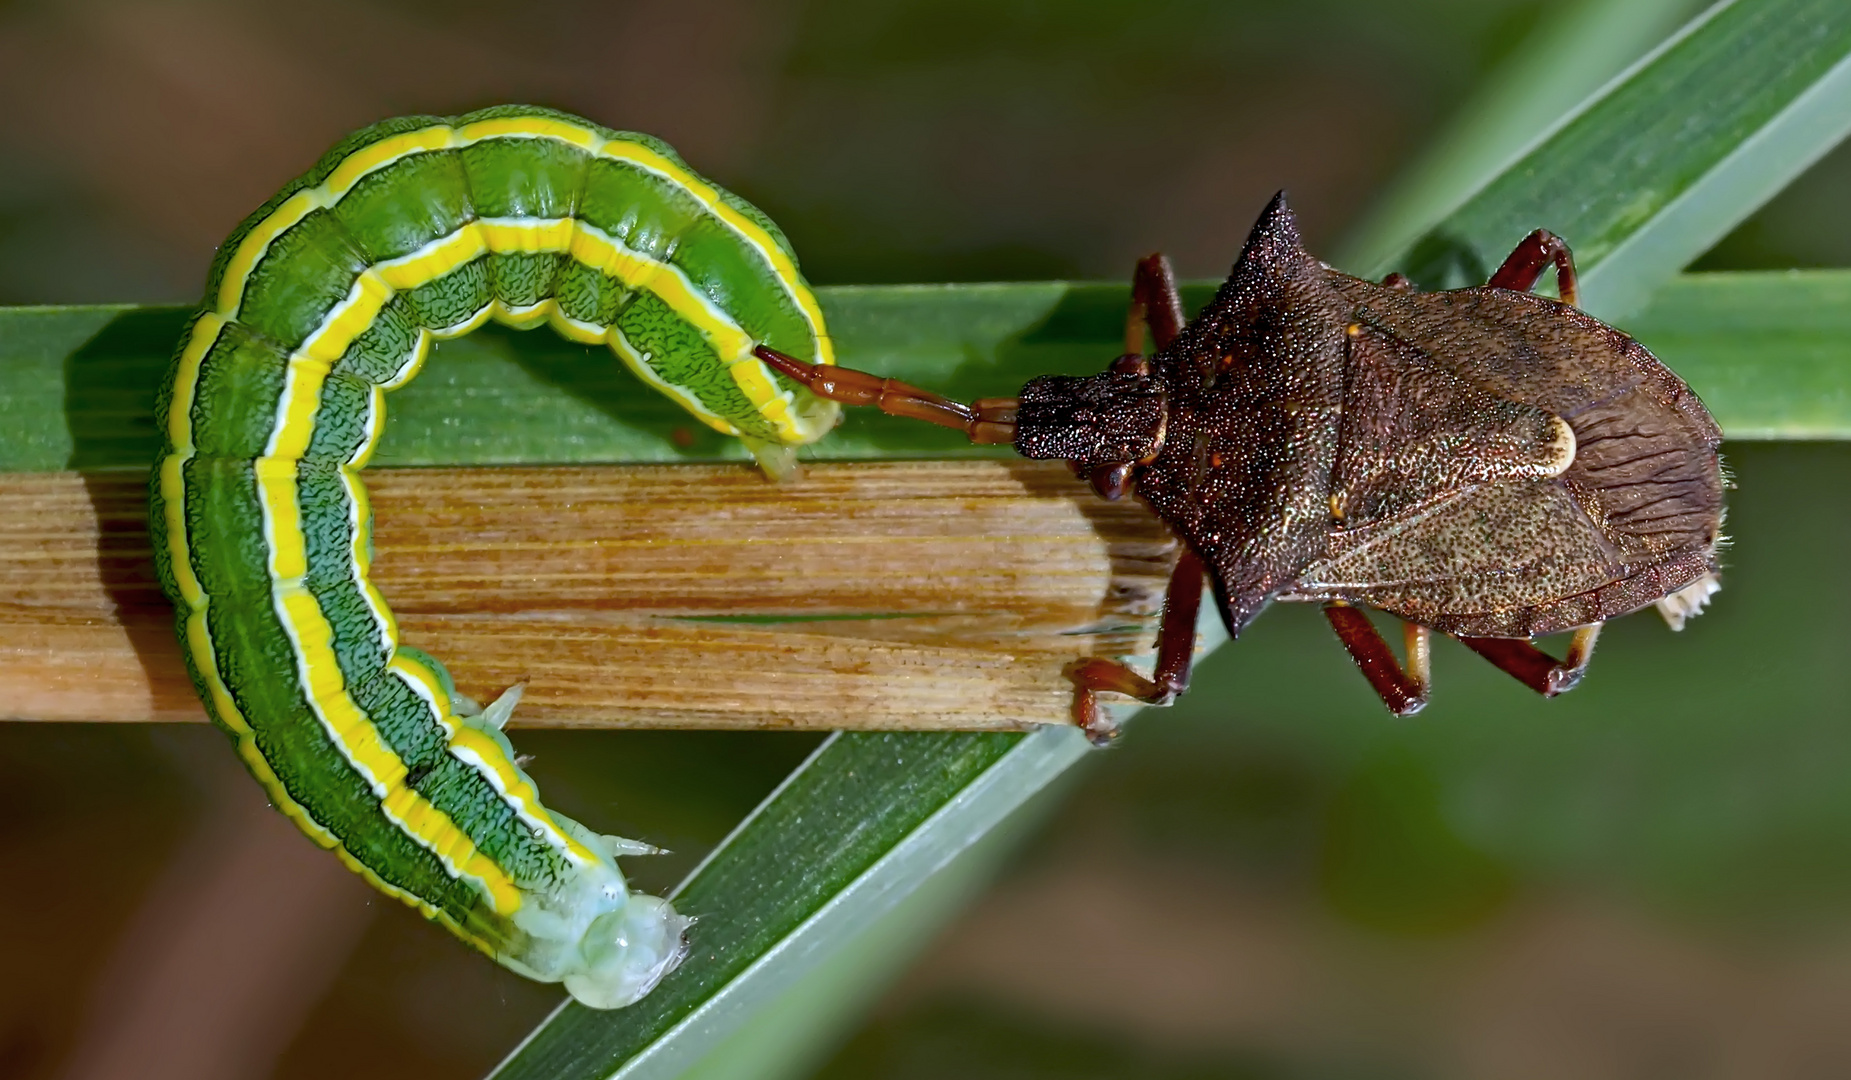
(550, 903)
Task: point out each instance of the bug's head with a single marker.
(1104, 425)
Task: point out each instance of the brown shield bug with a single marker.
(1483, 462)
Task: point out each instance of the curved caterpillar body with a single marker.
(322, 301)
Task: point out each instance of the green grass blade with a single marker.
(77, 384)
(1771, 351)
(1574, 51)
(845, 839)
(790, 1036)
(1660, 166)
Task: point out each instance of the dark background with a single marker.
(1646, 878)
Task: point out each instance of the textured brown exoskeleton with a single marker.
(1483, 462)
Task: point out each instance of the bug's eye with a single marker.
(1131, 364)
(1111, 482)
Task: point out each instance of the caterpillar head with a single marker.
(625, 952)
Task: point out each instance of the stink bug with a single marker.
(1483, 462)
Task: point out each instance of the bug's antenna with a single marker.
(986, 420)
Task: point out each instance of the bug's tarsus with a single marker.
(1527, 261)
(1182, 604)
(987, 420)
(1534, 668)
(1401, 686)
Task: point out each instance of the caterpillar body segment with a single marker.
(320, 303)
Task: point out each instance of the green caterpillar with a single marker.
(319, 303)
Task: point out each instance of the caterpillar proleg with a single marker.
(321, 302)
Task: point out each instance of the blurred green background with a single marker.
(1649, 877)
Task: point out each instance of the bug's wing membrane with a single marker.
(1476, 560)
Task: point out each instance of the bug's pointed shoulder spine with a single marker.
(1277, 226)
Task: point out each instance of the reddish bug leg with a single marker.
(1154, 301)
(986, 420)
(1175, 653)
(1527, 261)
(1534, 668)
(1403, 688)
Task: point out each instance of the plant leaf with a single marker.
(1769, 351)
(1650, 173)
(1570, 55)
(77, 384)
(849, 835)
